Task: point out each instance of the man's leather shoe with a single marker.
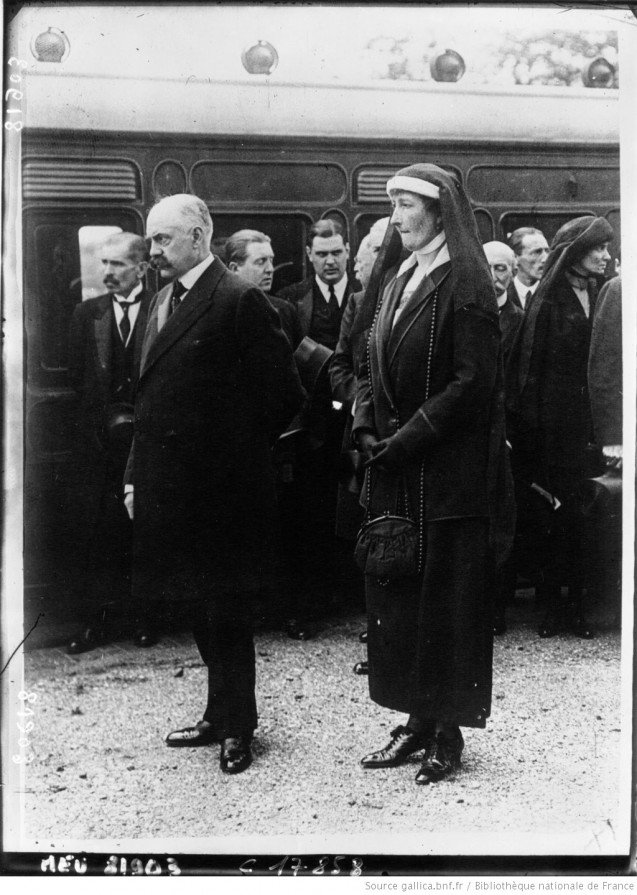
(581, 628)
(362, 637)
(201, 734)
(403, 743)
(145, 637)
(441, 759)
(550, 625)
(298, 630)
(361, 668)
(85, 640)
(235, 755)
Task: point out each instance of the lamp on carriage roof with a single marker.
(598, 73)
(260, 59)
(51, 45)
(448, 66)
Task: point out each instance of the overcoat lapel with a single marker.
(196, 303)
(102, 324)
(140, 328)
(391, 297)
(414, 307)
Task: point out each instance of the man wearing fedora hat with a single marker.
(105, 341)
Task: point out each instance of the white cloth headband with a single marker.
(413, 185)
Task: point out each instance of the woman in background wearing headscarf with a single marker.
(429, 417)
(549, 410)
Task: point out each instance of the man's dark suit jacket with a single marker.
(303, 294)
(217, 384)
(289, 320)
(511, 317)
(90, 368)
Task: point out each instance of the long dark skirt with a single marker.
(430, 641)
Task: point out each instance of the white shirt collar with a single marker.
(130, 298)
(339, 288)
(523, 290)
(433, 255)
(191, 276)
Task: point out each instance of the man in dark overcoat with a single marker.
(429, 416)
(217, 384)
(105, 343)
(501, 261)
(323, 565)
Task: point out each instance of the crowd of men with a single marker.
(214, 459)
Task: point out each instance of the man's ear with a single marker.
(233, 266)
(308, 252)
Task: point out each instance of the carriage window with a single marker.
(287, 232)
(62, 268)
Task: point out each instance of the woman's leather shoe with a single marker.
(403, 743)
(361, 668)
(235, 755)
(201, 734)
(362, 637)
(441, 759)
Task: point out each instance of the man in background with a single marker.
(531, 251)
(249, 253)
(105, 341)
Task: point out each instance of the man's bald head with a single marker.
(179, 229)
(501, 261)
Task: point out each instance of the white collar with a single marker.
(430, 256)
(130, 298)
(523, 290)
(191, 276)
(339, 288)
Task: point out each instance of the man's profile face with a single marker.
(121, 273)
(415, 217)
(501, 266)
(172, 243)
(329, 255)
(258, 266)
(532, 257)
(364, 261)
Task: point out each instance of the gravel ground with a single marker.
(544, 777)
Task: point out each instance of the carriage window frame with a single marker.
(41, 371)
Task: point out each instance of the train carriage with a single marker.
(99, 150)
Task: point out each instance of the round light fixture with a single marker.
(598, 73)
(260, 59)
(51, 46)
(448, 66)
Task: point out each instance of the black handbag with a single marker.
(388, 547)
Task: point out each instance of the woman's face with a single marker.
(595, 260)
(415, 218)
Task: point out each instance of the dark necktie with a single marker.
(529, 296)
(333, 302)
(175, 298)
(124, 323)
